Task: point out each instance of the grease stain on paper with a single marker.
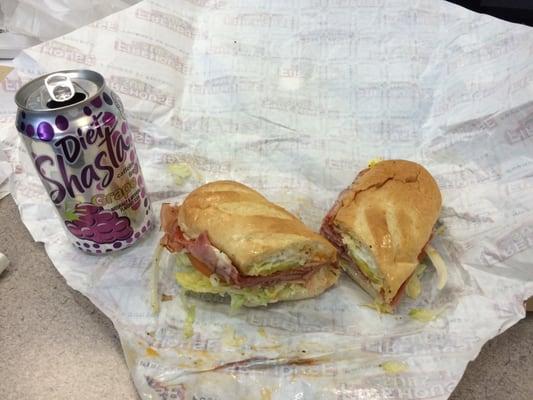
(231, 338)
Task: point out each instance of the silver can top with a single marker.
(59, 90)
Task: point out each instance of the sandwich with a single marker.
(381, 226)
(231, 243)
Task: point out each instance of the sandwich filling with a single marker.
(214, 266)
(189, 278)
(357, 261)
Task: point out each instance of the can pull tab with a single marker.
(59, 87)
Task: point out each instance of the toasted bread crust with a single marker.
(247, 227)
(391, 208)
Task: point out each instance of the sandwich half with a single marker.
(232, 242)
(381, 225)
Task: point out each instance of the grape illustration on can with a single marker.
(98, 225)
(75, 131)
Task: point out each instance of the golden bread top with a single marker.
(248, 228)
(391, 208)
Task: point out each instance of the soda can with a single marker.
(75, 131)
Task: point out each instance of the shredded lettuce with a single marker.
(182, 261)
(181, 172)
(154, 281)
(237, 300)
(414, 287)
(394, 367)
(190, 279)
(188, 330)
(268, 268)
(424, 314)
(439, 264)
(372, 163)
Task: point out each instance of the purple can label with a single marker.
(92, 174)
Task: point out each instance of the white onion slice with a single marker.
(439, 264)
(154, 280)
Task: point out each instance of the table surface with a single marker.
(55, 345)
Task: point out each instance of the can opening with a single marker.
(78, 97)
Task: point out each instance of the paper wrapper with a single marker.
(293, 98)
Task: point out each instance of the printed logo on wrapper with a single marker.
(226, 85)
(169, 21)
(522, 132)
(232, 48)
(209, 4)
(57, 49)
(140, 90)
(515, 242)
(11, 85)
(358, 3)
(297, 106)
(171, 337)
(335, 36)
(296, 322)
(261, 20)
(523, 81)
(424, 343)
(155, 53)
(145, 138)
(198, 162)
(418, 17)
(106, 25)
(467, 177)
(200, 124)
(166, 392)
(348, 391)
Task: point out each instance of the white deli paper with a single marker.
(293, 98)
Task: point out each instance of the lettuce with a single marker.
(190, 279)
(181, 172)
(372, 163)
(268, 268)
(188, 330)
(424, 314)
(394, 367)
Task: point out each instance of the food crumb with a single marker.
(394, 367)
(151, 352)
(166, 297)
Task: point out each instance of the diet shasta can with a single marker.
(74, 129)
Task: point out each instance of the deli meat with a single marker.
(219, 263)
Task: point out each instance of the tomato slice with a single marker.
(200, 266)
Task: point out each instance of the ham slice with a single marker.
(202, 249)
(219, 263)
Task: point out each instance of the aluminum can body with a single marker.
(75, 131)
